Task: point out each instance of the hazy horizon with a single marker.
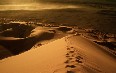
(43, 4)
(36, 6)
(5, 2)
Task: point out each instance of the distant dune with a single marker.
(96, 16)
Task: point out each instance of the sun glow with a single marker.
(35, 6)
(20, 1)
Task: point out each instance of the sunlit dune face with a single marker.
(35, 6)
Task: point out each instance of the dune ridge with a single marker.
(71, 54)
(58, 49)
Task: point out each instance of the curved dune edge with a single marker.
(71, 54)
(4, 52)
(19, 45)
(36, 36)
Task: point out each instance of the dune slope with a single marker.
(71, 54)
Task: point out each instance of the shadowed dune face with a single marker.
(4, 52)
(14, 46)
(13, 38)
(17, 38)
(15, 30)
(64, 28)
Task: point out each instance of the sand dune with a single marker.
(41, 33)
(43, 60)
(17, 44)
(71, 54)
(60, 39)
(57, 50)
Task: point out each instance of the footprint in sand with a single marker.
(69, 72)
(70, 66)
(72, 57)
(71, 47)
(67, 56)
(78, 59)
(68, 48)
(67, 61)
(71, 51)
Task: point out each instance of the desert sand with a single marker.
(58, 38)
(61, 50)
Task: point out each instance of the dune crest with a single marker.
(71, 54)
